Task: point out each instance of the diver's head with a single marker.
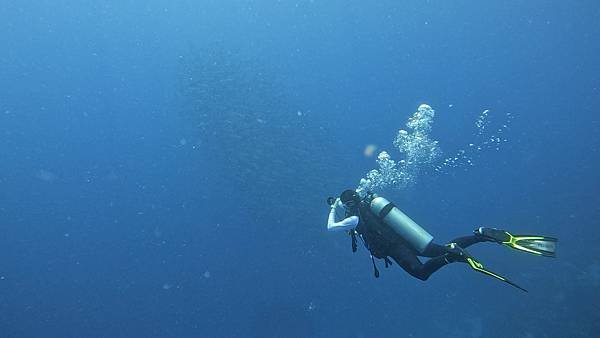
(350, 199)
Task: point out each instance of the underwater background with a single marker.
(164, 165)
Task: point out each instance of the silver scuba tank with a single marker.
(401, 223)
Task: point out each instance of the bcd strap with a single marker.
(353, 235)
(375, 267)
(386, 210)
(387, 262)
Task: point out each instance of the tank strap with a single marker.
(353, 235)
(386, 210)
(375, 270)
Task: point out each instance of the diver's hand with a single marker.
(336, 203)
(331, 201)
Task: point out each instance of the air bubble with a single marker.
(415, 144)
(420, 152)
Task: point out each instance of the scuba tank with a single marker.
(400, 223)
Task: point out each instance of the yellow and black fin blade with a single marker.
(475, 265)
(533, 244)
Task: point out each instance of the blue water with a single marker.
(164, 165)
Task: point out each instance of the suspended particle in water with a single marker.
(370, 150)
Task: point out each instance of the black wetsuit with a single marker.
(383, 242)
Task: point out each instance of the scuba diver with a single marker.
(388, 232)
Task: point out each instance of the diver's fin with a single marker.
(475, 265)
(537, 245)
(533, 244)
(460, 254)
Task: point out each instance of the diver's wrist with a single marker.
(337, 203)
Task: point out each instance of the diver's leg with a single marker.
(434, 264)
(409, 261)
(467, 241)
(435, 250)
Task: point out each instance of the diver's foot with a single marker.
(492, 234)
(456, 253)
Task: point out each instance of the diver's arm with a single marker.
(345, 224)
